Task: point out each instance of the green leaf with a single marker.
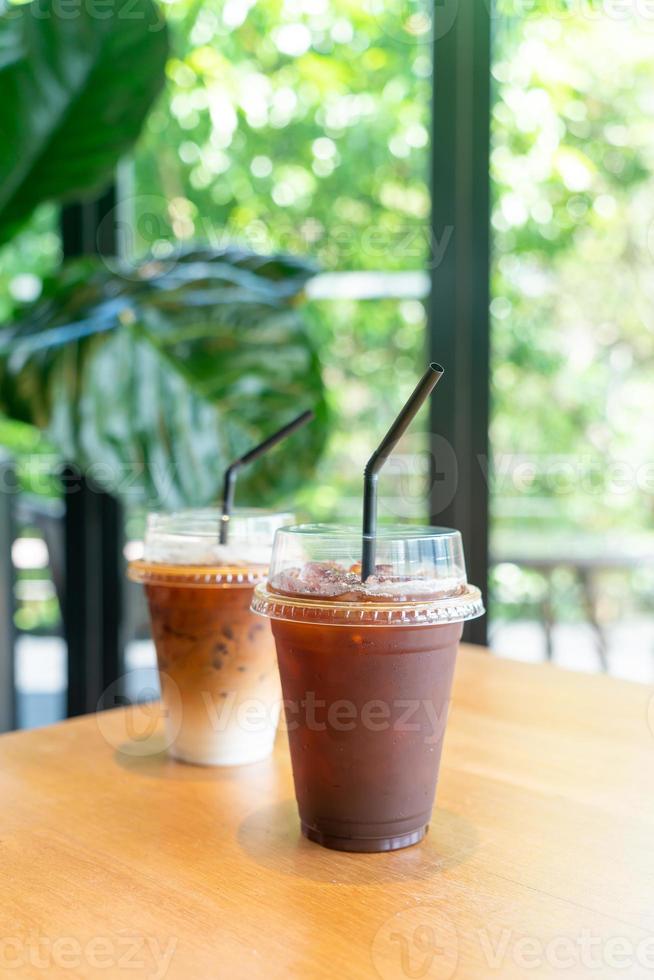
(76, 82)
(153, 379)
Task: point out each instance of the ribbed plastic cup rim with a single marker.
(196, 576)
(459, 608)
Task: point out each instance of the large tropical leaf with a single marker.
(154, 380)
(76, 83)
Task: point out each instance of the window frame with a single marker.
(458, 315)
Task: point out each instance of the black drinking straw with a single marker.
(423, 389)
(229, 484)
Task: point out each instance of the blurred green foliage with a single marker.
(572, 323)
(372, 352)
(25, 263)
(303, 125)
(152, 378)
(75, 87)
(299, 125)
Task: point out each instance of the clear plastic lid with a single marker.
(420, 576)
(184, 547)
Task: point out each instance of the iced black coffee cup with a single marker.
(366, 670)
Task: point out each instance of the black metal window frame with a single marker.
(93, 524)
(8, 488)
(459, 326)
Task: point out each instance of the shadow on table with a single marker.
(271, 837)
(149, 757)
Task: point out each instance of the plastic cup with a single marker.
(366, 673)
(217, 666)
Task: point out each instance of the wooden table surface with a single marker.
(115, 861)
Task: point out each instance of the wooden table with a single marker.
(115, 861)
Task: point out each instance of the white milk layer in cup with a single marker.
(217, 665)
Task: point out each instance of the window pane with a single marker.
(300, 127)
(573, 346)
(373, 354)
(304, 127)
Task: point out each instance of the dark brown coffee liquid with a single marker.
(366, 709)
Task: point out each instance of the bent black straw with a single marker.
(423, 389)
(229, 484)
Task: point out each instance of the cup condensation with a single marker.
(366, 671)
(217, 666)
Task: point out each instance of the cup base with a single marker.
(221, 759)
(365, 845)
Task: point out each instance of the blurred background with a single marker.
(314, 129)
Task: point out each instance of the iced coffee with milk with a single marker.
(216, 659)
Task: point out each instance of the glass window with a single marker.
(572, 339)
(303, 126)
